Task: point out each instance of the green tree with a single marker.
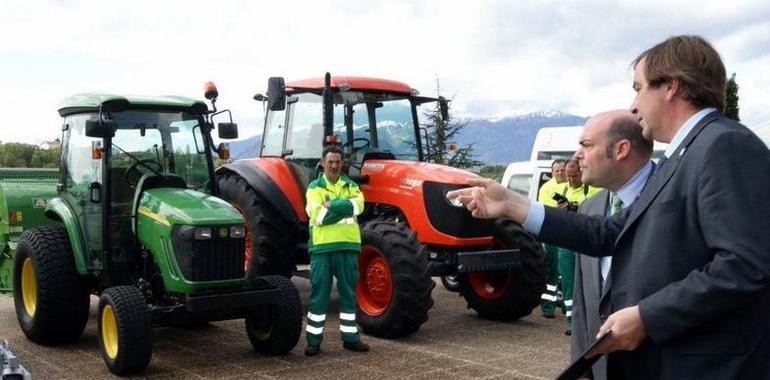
(441, 136)
(494, 172)
(731, 101)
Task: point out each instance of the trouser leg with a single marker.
(346, 264)
(567, 272)
(321, 286)
(548, 298)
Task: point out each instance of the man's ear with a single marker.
(622, 149)
(672, 89)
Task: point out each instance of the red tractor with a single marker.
(410, 231)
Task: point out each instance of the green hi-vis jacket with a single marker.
(334, 228)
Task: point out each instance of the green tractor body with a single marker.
(133, 216)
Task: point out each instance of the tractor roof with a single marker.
(353, 83)
(90, 102)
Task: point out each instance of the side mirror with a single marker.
(227, 131)
(276, 94)
(100, 128)
(443, 106)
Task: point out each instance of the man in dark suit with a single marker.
(691, 259)
(614, 155)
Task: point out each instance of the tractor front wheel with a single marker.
(275, 329)
(507, 294)
(51, 298)
(125, 330)
(393, 292)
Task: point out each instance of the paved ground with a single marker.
(454, 343)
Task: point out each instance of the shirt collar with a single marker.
(633, 186)
(685, 130)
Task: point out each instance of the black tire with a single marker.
(57, 297)
(275, 329)
(390, 251)
(516, 291)
(130, 324)
(273, 240)
(451, 282)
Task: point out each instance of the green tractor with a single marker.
(138, 222)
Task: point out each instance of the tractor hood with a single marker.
(172, 206)
(412, 174)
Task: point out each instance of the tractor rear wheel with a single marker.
(275, 329)
(393, 292)
(125, 330)
(51, 298)
(270, 241)
(506, 295)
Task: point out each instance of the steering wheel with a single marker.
(351, 143)
(134, 174)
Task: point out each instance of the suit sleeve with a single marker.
(590, 235)
(733, 213)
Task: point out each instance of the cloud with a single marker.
(492, 57)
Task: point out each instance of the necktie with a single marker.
(660, 163)
(616, 204)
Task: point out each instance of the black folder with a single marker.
(580, 366)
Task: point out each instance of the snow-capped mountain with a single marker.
(497, 140)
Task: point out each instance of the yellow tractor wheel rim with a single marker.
(29, 287)
(109, 332)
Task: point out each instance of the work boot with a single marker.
(312, 350)
(356, 346)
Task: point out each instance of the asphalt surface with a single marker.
(454, 343)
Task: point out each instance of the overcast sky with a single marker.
(493, 58)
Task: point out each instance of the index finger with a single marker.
(459, 192)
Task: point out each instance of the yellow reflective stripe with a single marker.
(156, 217)
(354, 202)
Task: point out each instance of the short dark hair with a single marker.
(572, 160)
(694, 63)
(557, 161)
(626, 128)
(331, 149)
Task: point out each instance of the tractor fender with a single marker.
(56, 209)
(273, 180)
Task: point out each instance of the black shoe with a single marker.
(568, 332)
(548, 316)
(312, 350)
(356, 346)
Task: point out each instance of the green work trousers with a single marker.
(323, 267)
(567, 272)
(549, 298)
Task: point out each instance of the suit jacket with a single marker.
(694, 254)
(587, 293)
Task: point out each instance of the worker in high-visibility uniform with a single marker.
(333, 202)
(575, 192)
(555, 185)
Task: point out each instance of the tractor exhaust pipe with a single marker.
(328, 108)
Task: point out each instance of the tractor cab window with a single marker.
(355, 113)
(165, 141)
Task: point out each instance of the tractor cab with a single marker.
(116, 148)
(369, 119)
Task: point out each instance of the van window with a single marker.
(520, 183)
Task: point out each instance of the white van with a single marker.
(526, 177)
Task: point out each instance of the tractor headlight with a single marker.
(202, 233)
(237, 232)
(455, 202)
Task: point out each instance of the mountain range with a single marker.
(497, 141)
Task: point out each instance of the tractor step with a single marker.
(235, 300)
(482, 261)
(11, 368)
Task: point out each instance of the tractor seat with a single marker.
(362, 154)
